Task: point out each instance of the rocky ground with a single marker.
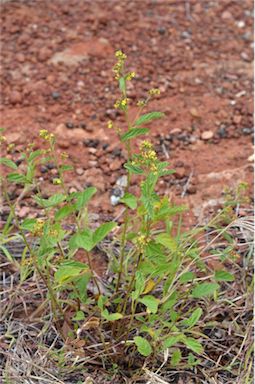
(56, 67)
(56, 74)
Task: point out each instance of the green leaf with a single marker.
(122, 84)
(143, 346)
(193, 319)
(151, 303)
(134, 132)
(79, 316)
(101, 232)
(166, 240)
(84, 197)
(176, 357)
(33, 155)
(130, 200)
(171, 341)
(204, 289)
(8, 163)
(66, 167)
(148, 117)
(223, 276)
(64, 212)
(83, 240)
(193, 344)
(28, 224)
(68, 270)
(17, 178)
(111, 316)
(133, 169)
(51, 202)
(187, 276)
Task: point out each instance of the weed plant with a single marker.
(160, 285)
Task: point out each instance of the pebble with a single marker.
(20, 57)
(180, 173)
(222, 133)
(237, 119)
(79, 171)
(43, 169)
(226, 15)
(55, 95)
(44, 54)
(245, 57)
(23, 212)
(161, 30)
(91, 142)
(191, 189)
(69, 125)
(247, 131)
(115, 165)
(207, 135)
(15, 97)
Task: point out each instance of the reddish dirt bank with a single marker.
(56, 67)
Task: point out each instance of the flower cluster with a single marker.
(147, 158)
(118, 67)
(2, 139)
(141, 242)
(154, 92)
(38, 228)
(141, 103)
(44, 134)
(121, 104)
(110, 124)
(130, 76)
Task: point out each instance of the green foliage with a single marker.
(150, 278)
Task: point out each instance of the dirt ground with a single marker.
(56, 67)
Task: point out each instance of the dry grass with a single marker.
(33, 351)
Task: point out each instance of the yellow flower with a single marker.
(154, 92)
(2, 139)
(56, 181)
(130, 76)
(109, 124)
(141, 103)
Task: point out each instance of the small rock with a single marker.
(44, 54)
(91, 143)
(194, 112)
(55, 95)
(43, 169)
(180, 173)
(72, 190)
(15, 97)
(51, 166)
(69, 125)
(64, 144)
(240, 24)
(207, 135)
(251, 158)
(237, 119)
(13, 137)
(247, 131)
(92, 150)
(93, 163)
(20, 57)
(191, 189)
(161, 30)
(186, 35)
(115, 165)
(226, 15)
(23, 212)
(245, 57)
(79, 171)
(222, 133)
